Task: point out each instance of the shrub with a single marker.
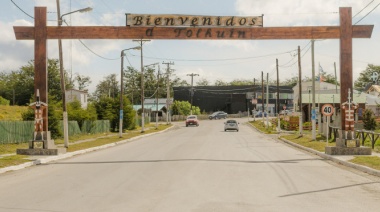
(369, 120)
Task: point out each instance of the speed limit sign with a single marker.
(327, 110)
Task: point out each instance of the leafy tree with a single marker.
(291, 82)
(22, 83)
(220, 82)
(83, 81)
(203, 82)
(75, 112)
(108, 87)
(369, 120)
(237, 82)
(4, 101)
(108, 109)
(183, 108)
(364, 77)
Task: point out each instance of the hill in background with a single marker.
(11, 113)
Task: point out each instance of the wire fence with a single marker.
(14, 132)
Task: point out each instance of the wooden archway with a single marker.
(40, 33)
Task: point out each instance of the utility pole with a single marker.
(141, 43)
(336, 79)
(255, 98)
(62, 76)
(192, 92)
(267, 100)
(278, 99)
(168, 121)
(158, 88)
(313, 112)
(300, 90)
(278, 91)
(262, 92)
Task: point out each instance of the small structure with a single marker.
(40, 134)
(81, 96)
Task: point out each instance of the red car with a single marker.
(192, 120)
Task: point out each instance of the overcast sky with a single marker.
(214, 60)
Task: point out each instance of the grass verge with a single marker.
(86, 142)
(259, 124)
(369, 161)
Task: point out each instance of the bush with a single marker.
(369, 120)
(4, 101)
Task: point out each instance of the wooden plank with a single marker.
(40, 61)
(345, 56)
(201, 33)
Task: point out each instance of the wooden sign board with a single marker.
(144, 20)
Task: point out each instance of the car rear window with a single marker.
(231, 121)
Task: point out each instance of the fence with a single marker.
(13, 132)
(360, 135)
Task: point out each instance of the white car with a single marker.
(231, 125)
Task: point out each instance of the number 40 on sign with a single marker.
(327, 110)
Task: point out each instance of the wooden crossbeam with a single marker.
(126, 32)
(40, 33)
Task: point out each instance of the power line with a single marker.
(22, 10)
(363, 8)
(367, 13)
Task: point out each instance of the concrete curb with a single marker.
(71, 154)
(334, 159)
(364, 169)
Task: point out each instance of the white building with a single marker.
(81, 96)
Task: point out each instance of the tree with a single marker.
(108, 108)
(220, 82)
(237, 82)
(77, 113)
(83, 81)
(369, 120)
(183, 108)
(108, 87)
(203, 82)
(365, 77)
(21, 82)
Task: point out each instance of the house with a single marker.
(81, 96)
(325, 93)
(151, 107)
(373, 99)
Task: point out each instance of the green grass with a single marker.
(369, 161)
(258, 124)
(306, 140)
(13, 160)
(98, 140)
(11, 113)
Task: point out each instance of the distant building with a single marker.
(151, 108)
(81, 96)
(235, 99)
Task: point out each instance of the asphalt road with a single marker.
(192, 169)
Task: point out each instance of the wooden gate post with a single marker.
(40, 61)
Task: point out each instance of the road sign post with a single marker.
(327, 110)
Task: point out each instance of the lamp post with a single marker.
(122, 89)
(62, 75)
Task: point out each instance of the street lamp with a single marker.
(122, 89)
(65, 120)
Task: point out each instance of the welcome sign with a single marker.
(144, 20)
